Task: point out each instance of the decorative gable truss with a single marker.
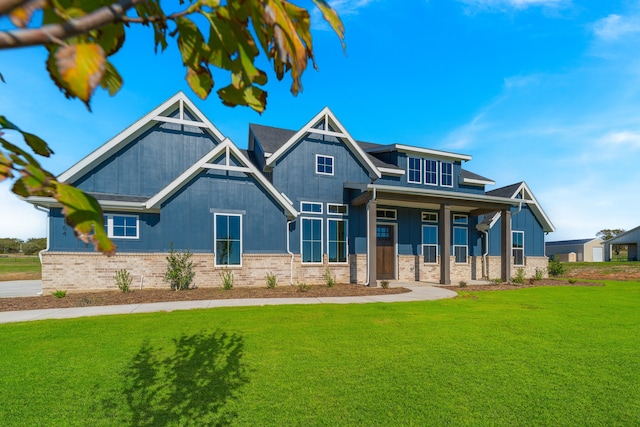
(325, 123)
(522, 193)
(178, 110)
(227, 157)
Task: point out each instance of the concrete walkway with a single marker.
(418, 293)
(20, 288)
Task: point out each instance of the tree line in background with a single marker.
(29, 247)
(610, 233)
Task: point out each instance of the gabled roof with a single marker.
(226, 147)
(572, 242)
(325, 123)
(520, 191)
(178, 103)
(622, 239)
(471, 178)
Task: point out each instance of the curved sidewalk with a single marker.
(418, 293)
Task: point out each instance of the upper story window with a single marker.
(460, 219)
(414, 170)
(431, 172)
(324, 164)
(386, 214)
(311, 207)
(429, 216)
(517, 247)
(446, 174)
(122, 226)
(337, 209)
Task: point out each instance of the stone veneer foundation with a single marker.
(73, 271)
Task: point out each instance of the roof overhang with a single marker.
(474, 204)
(474, 181)
(125, 206)
(421, 151)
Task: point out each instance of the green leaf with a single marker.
(111, 80)
(37, 145)
(84, 214)
(81, 67)
(331, 16)
(111, 38)
(250, 96)
(200, 81)
(6, 166)
(191, 43)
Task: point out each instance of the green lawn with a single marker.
(537, 357)
(19, 264)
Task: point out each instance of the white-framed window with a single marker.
(337, 209)
(324, 164)
(414, 170)
(228, 239)
(311, 240)
(446, 174)
(430, 244)
(431, 172)
(337, 247)
(311, 207)
(460, 219)
(429, 216)
(122, 226)
(517, 247)
(386, 214)
(460, 240)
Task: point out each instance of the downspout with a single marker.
(290, 253)
(46, 249)
(368, 237)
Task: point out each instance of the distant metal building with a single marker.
(631, 238)
(586, 250)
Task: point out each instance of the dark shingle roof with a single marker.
(470, 175)
(119, 197)
(270, 138)
(507, 191)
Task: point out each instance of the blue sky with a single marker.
(545, 91)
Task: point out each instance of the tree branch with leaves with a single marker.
(81, 35)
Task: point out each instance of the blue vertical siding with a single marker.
(150, 162)
(525, 221)
(186, 219)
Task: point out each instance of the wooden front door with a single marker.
(385, 260)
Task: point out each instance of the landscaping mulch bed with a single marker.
(87, 299)
(513, 286)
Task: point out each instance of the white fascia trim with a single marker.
(472, 181)
(389, 171)
(136, 129)
(308, 128)
(50, 202)
(418, 150)
(537, 209)
(444, 194)
(225, 146)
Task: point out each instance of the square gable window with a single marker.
(324, 165)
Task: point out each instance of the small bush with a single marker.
(384, 284)
(303, 287)
(329, 278)
(123, 280)
(555, 268)
(519, 277)
(59, 294)
(272, 282)
(573, 281)
(227, 280)
(496, 281)
(539, 273)
(179, 272)
(462, 284)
